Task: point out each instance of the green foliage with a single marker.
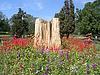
(88, 19)
(31, 25)
(71, 18)
(19, 23)
(4, 23)
(28, 61)
(22, 23)
(66, 16)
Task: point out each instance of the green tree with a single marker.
(67, 17)
(4, 23)
(71, 18)
(21, 23)
(31, 26)
(77, 18)
(88, 19)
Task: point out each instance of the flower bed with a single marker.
(19, 58)
(28, 61)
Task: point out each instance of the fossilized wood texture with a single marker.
(55, 37)
(47, 33)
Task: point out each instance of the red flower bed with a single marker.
(20, 42)
(8, 44)
(71, 43)
(79, 44)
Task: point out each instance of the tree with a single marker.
(4, 23)
(71, 18)
(88, 19)
(31, 26)
(77, 18)
(67, 17)
(21, 23)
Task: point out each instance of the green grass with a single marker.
(5, 35)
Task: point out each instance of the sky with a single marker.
(45, 9)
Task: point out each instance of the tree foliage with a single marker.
(22, 23)
(88, 19)
(4, 23)
(67, 18)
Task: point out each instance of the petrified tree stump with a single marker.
(55, 37)
(47, 33)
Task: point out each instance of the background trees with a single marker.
(85, 21)
(19, 24)
(22, 23)
(88, 19)
(4, 23)
(67, 18)
(31, 26)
